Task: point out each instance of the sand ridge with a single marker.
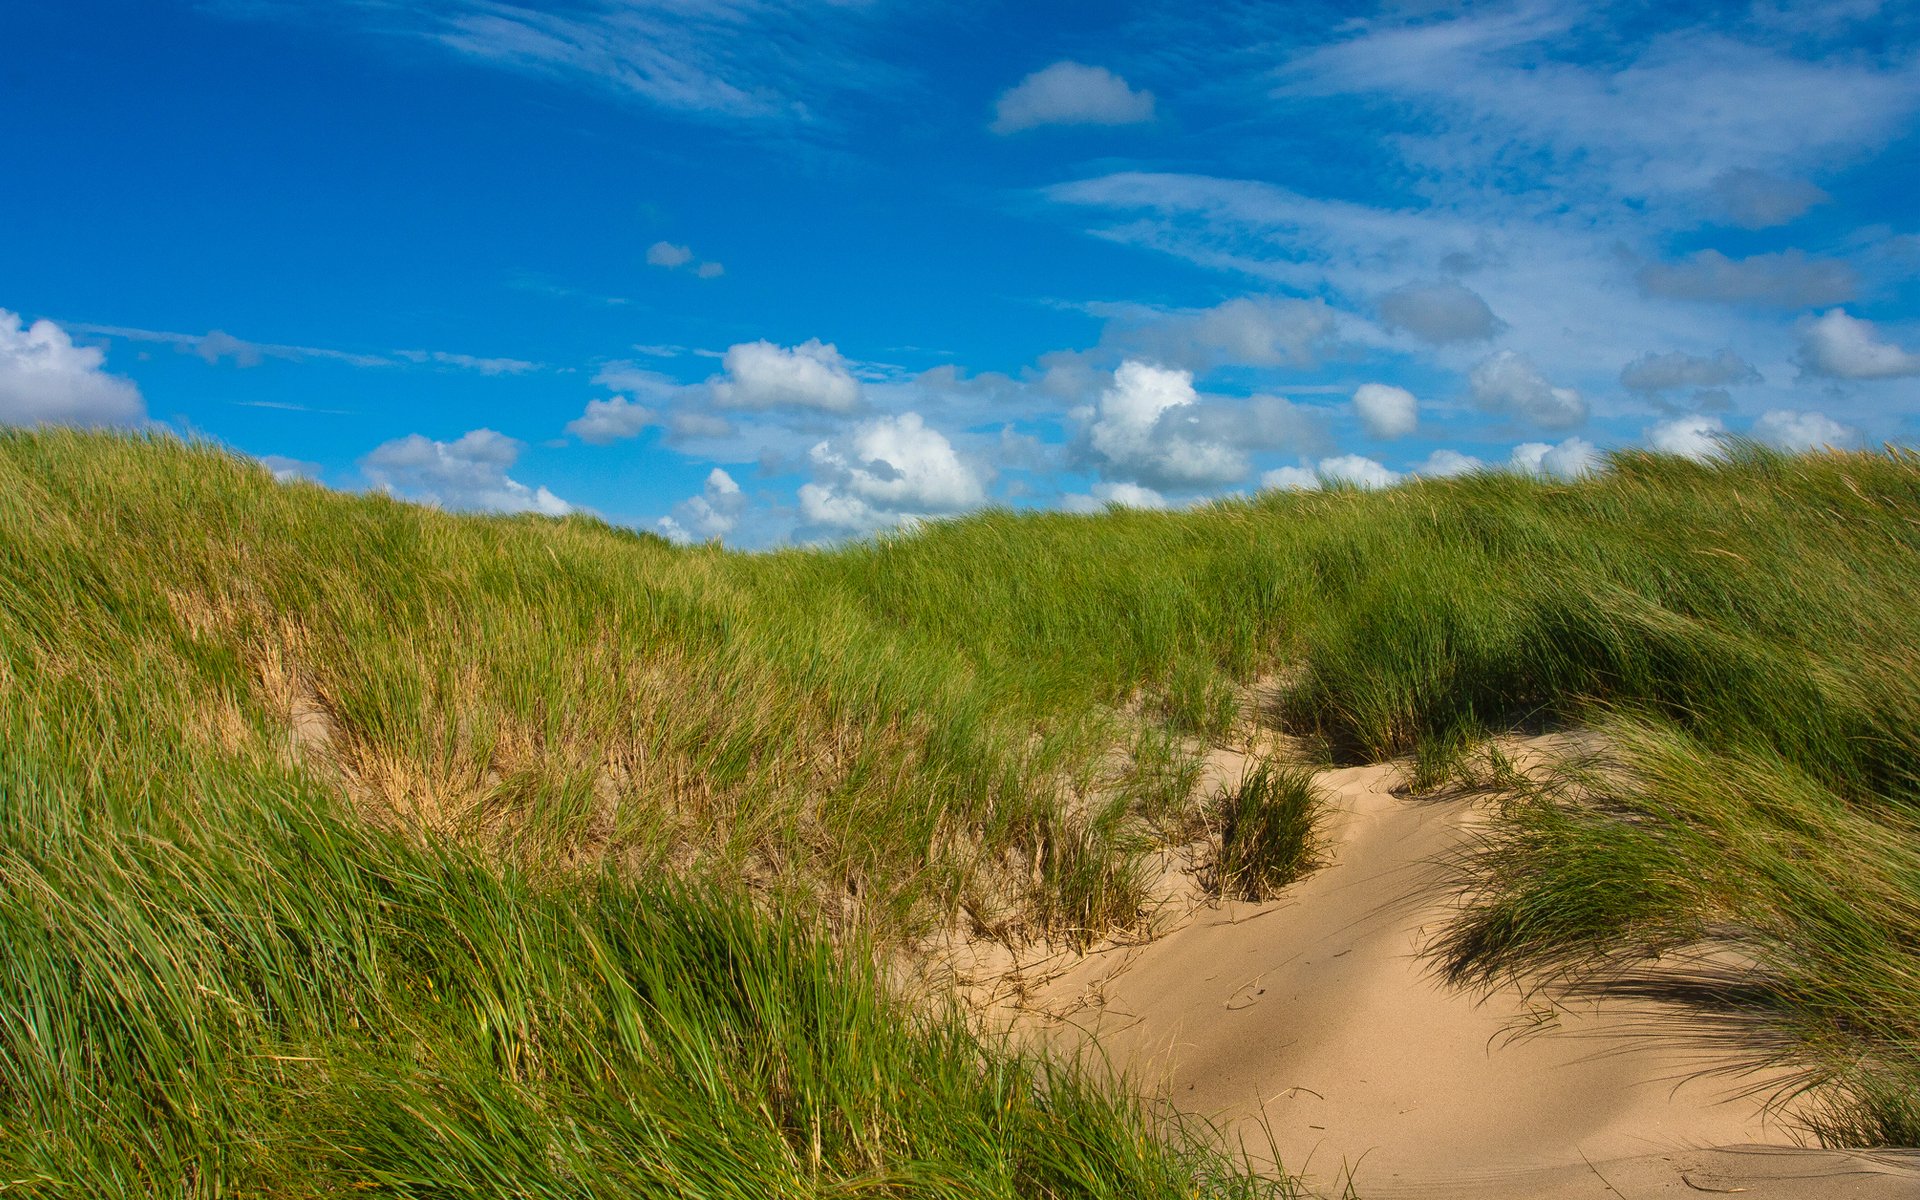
(1315, 1028)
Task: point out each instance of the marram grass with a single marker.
(350, 846)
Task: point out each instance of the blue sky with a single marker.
(795, 272)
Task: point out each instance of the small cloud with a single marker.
(761, 375)
(1385, 410)
(468, 473)
(1291, 479)
(1839, 346)
(1440, 312)
(1664, 372)
(46, 379)
(891, 470)
(1123, 495)
(611, 420)
(219, 344)
(1354, 470)
(1787, 279)
(1344, 470)
(1799, 432)
(1251, 331)
(1507, 382)
(1444, 464)
(668, 255)
(290, 470)
(1696, 437)
(1568, 460)
(1757, 200)
(1069, 93)
(709, 270)
(714, 513)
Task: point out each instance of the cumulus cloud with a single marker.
(891, 469)
(469, 473)
(1787, 279)
(1567, 460)
(1839, 346)
(289, 470)
(1385, 410)
(1125, 495)
(1440, 311)
(709, 270)
(1696, 437)
(46, 379)
(1343, 470)
(668, 255)
(761, 375)
(714, 513)
(1354, 470)
(1150, 427)
(1758, 200)
(1069, 93)
(1444, 464)
(1798, 432)
(1509, 383)
(1664, 372)
(1251, 331)
(611, 420)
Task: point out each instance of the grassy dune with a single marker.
(348, 845)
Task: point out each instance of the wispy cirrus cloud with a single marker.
(217, 345)
(739, 60)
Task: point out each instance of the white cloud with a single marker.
(891, 469)
(1842, 347)
(709, 270)
(469, 473)
(761, 375)
(1444, 464)
(1143, 430)
(1069, 93)
(1760, 200)
(1356, 470)
(1567, 460)
(1786, 279)
(442, 358)
(1290, 479)
(289, 470)
(1441, 311)
(1507, 382)
(1126, 495)
(46, 379)
(668, 255)
(1696, 437)
(1386, 411)
(714, 513)
(1249, 331)
(611, 420)
(217, 344)
(1664, 372)
(1486, 89)
(1798, 432)
(1352, 470)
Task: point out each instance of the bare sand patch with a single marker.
(1314, 1028)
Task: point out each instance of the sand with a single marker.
(1314, 1025)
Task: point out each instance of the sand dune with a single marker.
(1315, 1020)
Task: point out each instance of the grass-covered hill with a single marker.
(350, 847)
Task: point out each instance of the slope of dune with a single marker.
(1315, 1028)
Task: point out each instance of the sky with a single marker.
(791, 273)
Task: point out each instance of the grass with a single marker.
(1267, 831)
(346, 842)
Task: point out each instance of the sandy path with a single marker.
(1316, 1015)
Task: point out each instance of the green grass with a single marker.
(350, 845)
(1267, 832)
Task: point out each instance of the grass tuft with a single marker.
(1268, 831)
